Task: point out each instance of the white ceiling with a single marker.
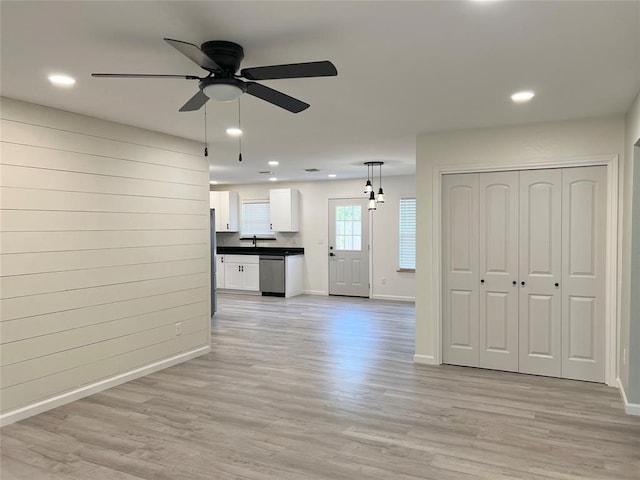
(403, 68)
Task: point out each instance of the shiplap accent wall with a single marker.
(104, 247)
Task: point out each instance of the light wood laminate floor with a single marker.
(325, 388)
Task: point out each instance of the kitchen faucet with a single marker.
(255, 241)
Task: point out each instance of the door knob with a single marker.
(331, 254)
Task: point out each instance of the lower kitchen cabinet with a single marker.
(242, 272)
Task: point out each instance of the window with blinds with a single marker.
(255, 219)
(407, 252)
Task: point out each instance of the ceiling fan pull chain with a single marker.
(206, 142)
(239, 136)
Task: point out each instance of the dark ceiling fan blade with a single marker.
(194, 53)
(195, 102)
(277, 98)
(292, 70)
(143, 75)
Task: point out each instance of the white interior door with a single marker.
(460, 269)
(540, 271)
(583, 272)
(498, 266)
(349, 247)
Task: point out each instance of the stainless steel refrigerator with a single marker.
(214, 301)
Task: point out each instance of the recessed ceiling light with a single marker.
(274, 163)
(523, 96)
(273, 179)
(234, 132)
(62, 80)
(332, 175)
(213, 182)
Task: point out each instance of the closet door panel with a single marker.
(540, 271)
(583, 272)
(460, 269)
(498, 266)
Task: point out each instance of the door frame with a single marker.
(369, 247)
(612, 320)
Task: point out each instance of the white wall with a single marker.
(505, 146)
(313, 235)
(104, 236)
(630, 302)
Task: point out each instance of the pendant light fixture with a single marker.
(368, 187)
(372, 201)
(369, 190)
(380, 197)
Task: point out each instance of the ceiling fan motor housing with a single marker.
(228, 55)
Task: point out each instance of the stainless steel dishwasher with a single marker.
(272, 275)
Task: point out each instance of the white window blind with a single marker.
(255, 218)
(407, 233)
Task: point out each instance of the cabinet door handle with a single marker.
(227, 226)
(515, 283)
(271, 226)
(557, 284)
(482, 281)
(522, 283)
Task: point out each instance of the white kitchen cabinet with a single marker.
(242, 272)
(284, 209)
(220, 277)
(226, 206)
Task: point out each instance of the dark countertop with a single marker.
(276, 251)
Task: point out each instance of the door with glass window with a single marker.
(348, 247)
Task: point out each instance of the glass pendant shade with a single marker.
(380, 198)
(222, 92)
(372, 201)
(368, 188)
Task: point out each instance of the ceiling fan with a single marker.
(222, 60)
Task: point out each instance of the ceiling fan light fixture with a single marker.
(222, 92)
(234, 132)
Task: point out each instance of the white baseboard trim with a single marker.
(425, 360)
(396, 298)
(85, 391)
(315, 292)
(629, 408)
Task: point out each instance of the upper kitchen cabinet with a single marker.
(283, 207)
(226, 206)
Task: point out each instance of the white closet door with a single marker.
(498, 266)
(540, 271)
(583, 272)
(460, 269)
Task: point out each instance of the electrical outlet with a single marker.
(178, 328)
(383, 281)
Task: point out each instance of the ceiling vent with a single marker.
(311, 170)
(266, 172)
